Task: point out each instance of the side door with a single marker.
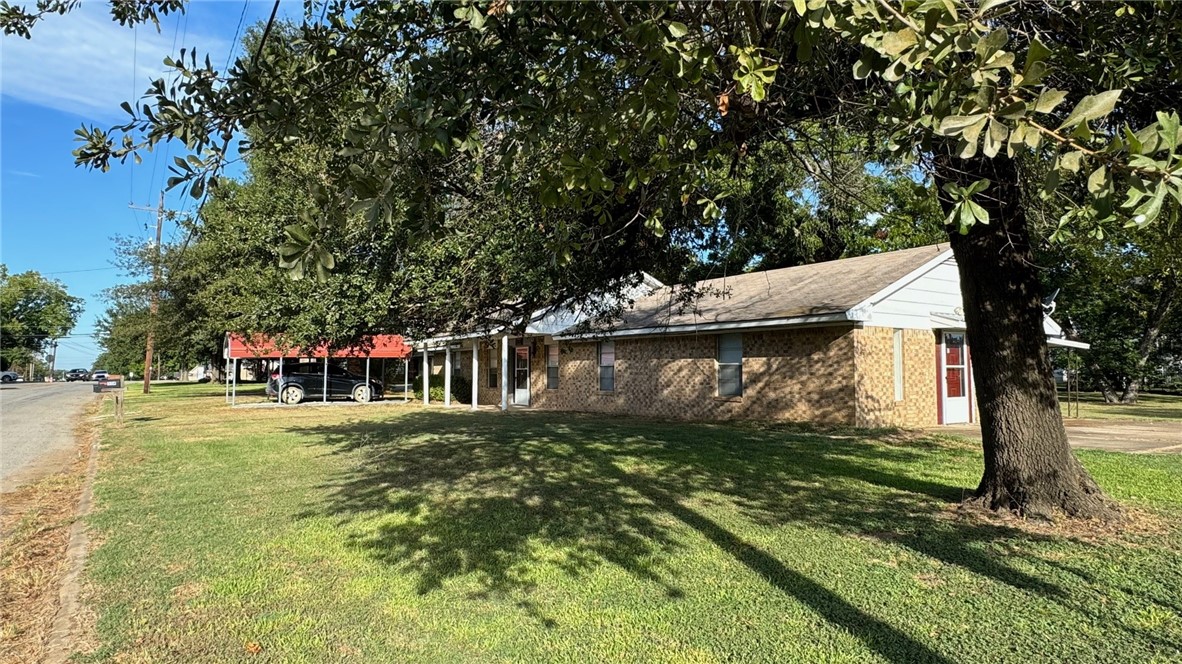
(955, 379)
(521, 375)
(340, 381)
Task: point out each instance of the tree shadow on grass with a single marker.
(488, 497)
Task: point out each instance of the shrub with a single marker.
(461, 389)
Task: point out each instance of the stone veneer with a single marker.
(832, 375)
(874, 370)
(800, 374)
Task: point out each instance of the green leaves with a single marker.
(1092, 107)
(754, 74)
(1048, 100)
(965, 211)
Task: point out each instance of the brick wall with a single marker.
(874, 349)
(801, 374)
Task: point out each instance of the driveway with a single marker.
(37, 429)
(1137, 436)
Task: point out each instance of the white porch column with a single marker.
(447, 377)
(505, 372)
(426, 378)
(475, 373)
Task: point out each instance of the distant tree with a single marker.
(789, 205)
(33, 311)
(1123, 298)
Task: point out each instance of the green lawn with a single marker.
(393, 533)
(1148, 407)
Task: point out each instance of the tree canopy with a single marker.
(33, 312)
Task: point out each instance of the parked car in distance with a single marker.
(99, 374)
(305, 380)
(9, 376)
(77, 374)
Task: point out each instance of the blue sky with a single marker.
(59, 219)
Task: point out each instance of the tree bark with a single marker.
(1149, 337)
(1029, 466)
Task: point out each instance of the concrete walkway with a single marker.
(1136, 436)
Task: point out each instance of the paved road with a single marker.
(37, 429)
(1138, 436)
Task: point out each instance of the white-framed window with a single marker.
(898, 358)
(552, 367)
(492, 369)
(730, 365)
(607, 366)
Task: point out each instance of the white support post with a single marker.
(368, 385)
(426, 378)
(406, 379)
(279, 383)
(234, 390)
(447, 377)
(227, 380)
(475, 373)
(324, 391)
(505, 372)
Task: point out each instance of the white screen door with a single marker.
(521, 376)
(955, 379)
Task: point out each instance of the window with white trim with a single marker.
(552, 367)
(607, 366)
(730, 365)
(898, 357)
(492, 369)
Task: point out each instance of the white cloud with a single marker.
(82, 63)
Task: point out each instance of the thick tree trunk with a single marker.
(1029, 466)
(1149, 337)
(1108, 392)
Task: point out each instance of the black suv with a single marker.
(77, 374)
(305, 380)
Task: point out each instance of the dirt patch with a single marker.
(1134, 523)
(35, 526)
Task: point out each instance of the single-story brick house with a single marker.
(876, 340)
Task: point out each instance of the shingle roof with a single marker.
(832, 287)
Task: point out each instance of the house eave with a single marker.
(692, 328)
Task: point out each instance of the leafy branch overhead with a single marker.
(664, 95)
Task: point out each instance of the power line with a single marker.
(93, 269)
(234, 41)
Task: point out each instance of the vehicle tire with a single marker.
(292, 394)
(6, 379)
(362, 394)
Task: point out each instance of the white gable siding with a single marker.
(912, 305)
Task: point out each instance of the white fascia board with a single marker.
(651, 281)
(861, 311)
(691, 328)
(1067, 343)
(440, 342)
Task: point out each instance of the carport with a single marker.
(259, 347)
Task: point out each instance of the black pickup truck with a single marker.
(77, 374)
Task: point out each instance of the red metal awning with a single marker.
(260, 347)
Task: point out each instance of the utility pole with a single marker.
(52, 360)
(154, 304)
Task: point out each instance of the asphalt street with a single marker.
(37, 428)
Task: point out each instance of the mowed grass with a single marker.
(394, 533)
(1148, 407)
